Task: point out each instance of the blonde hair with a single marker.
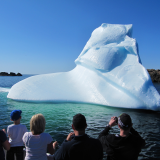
(37, 124)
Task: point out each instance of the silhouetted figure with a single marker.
(126, 145)
(78, 145)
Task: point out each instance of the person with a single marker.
(126, 145)
(37, 142)
(78, 145)
(15, 132)
(3, 144)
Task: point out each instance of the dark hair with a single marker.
(125, 122)
(79, 122)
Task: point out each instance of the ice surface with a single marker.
(2, 89)
(108, 72)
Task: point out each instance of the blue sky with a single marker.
(46, 36)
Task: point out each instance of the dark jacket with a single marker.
(117, 147)
(3, 138)
(80, 148)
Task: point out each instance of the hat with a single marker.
(124, 120)
(15, 114)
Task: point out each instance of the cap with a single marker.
(124, 120)
(15, 114)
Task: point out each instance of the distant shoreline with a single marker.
(154, 74)
(10, 74)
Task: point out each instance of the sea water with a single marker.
(59, 118)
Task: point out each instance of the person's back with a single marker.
(125, 145)
(78, 145)
(3, 144)
(37, 142)
(15, 132)
(83, 148)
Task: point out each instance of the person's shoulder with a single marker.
(2, 132)
(67, 144)
(44, 134)
(10, 126)
(112, 137)
(3, 136)
(136, 139)
(95, 144)
(93, 140)
(27, 134)
(22, 125)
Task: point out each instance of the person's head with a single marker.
(15, 115)
(124, 122)
(37, 124)
(79, 122)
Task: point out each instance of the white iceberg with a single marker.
(108, 72)
(2, 89)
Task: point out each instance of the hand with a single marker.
(69, 136)
(55, 144)
(113, 121)
(4, 131)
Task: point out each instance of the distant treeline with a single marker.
(154, 74)
(10, 74)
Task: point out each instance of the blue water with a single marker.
(59, 118)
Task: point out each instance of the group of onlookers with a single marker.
(77, 146)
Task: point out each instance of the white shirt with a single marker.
(15, 133)
(36, 145)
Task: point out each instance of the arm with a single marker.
(24, 138)
(51, 147)
(8, 132)
(112, 123)
(6, 145)
(25, 129)
(103, 135)
(5, 142)
(105, 131)
(70, 136)
(61, 153)
(4, 131)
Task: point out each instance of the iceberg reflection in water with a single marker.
(108, 72)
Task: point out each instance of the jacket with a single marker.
(80, 147)
(117, 147)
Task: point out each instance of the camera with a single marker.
(116, 118)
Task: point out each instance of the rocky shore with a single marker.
(154, 74)
(10, 74)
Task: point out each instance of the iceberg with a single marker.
(2, 89)
(108, 72)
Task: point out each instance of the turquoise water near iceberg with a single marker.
(59, 118)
